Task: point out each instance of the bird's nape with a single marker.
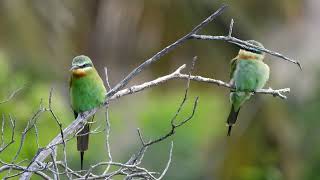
(254, 50)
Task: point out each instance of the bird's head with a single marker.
(250, 53)
(81, 65)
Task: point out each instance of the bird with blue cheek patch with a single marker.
(87, 92)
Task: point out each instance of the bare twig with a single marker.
(108, 129)
(2, 130)
(230, 28)
(22, 169)
(229, 38)
(140, 154)
(12, 95)
(16, 166)
(55, 117)
(108, 125)
(29, 126)
(54, 157)
(13, 126)
(168, 163)
(107, 78)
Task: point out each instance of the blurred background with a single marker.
(274, 139)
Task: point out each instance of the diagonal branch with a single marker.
(229, 38)
(12, 95)
(3, 146)
(165, 51)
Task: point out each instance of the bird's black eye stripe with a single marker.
(86, 65)
(254, 51)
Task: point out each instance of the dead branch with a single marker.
(12, 95)
(178, 75)
(3, 146)
(229, 38)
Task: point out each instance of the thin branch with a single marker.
(2, 130)
(231, 28)
(108, 129)
(142, 150)
(108, 125)
(107, 78)
(229, 38)
(29, 126)
(174, 126)
(12, 95)
(55, 117)
(17, 167)
(54, 157)
(168, 163)
(13, 126)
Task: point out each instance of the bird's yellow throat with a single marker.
(247, 55)
(79, 73)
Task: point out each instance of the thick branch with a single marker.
(178, 75)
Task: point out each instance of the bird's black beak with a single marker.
(74, 68)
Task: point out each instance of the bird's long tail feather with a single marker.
(232, 119)
(83, 141)
(81, 158)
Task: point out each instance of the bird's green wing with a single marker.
(70, 94)
(233, 66)
(70, 82)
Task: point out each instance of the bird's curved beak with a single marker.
(74, 68)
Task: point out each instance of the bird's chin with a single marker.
(78, 72)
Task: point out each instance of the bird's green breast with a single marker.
(250, 75)
(87, 92)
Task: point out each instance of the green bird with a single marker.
(87, 92)
(248, 74)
